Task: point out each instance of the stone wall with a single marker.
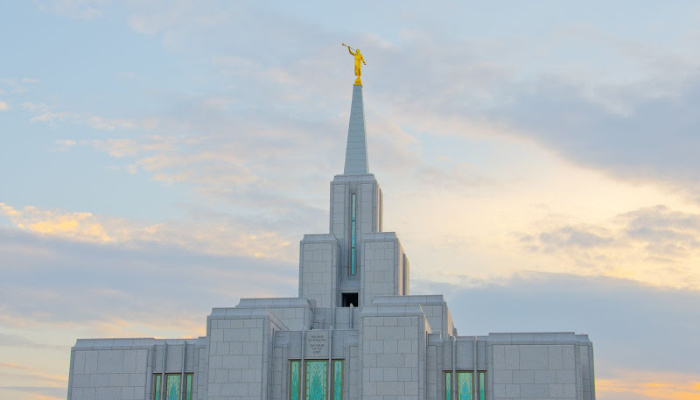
(318, 269)
(239, 359)
(103, 369)
(393, 352)
(539, 366)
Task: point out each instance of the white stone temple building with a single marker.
(353, 333)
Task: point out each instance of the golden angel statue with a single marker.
(358, 59)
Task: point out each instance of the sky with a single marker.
(537, 158)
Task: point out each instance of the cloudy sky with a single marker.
(538, 161)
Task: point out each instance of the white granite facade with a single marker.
(354, 315)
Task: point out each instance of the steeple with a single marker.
(356, 152)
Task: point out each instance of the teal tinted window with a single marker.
(156, 386)
(465, 383)
(337, 380)
(353, 258)
(316, 380)
(188, 386)
(482, 385)
(294, 378)
(448, 385)
(172, 386)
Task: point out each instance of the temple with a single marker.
(354, 332)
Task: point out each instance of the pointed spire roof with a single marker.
(356, 152)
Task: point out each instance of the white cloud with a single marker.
(45, 113)
(20, 85)
(103, 275)
(207, 234)
(77, 9)
(4, 106)
(655, 245)
(63, 145)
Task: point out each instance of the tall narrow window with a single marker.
(353, 255)
(172, 386)
(294, 380)
(405, 274)
(465, 384)
(448, 385)
(156, 386)
(316, 380)
(188, 386)
(482, 385)
(337, 380)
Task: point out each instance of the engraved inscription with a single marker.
(317, 344)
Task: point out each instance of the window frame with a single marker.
(330, 385)
(185, 388)
(478, 385)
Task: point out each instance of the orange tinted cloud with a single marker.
(661, 385)
(30, 374)
(74, 225)
(203, 236)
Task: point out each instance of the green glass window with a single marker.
(156, 386)
(172, 386)
(448, 385)
(465, 384)
(188, 386)
(294, 380)
(316, 385)
(482, 385)
(337, 380)
(316, 380)
(353, 258)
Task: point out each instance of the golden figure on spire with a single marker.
(358, 59)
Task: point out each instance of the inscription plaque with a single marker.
(317, 344)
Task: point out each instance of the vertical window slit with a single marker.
(337, 380)
(353, 254)
(448, 385)
(294, 378)
(482, 385)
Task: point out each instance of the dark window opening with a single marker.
(350, 299)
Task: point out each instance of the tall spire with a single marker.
(356, 152)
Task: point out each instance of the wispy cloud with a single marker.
(51, 284)
(30, 381)
(25, 372)
(36, 392)
(77, 9)
(21, 341)
(208, 234)
(656, 245)
(76, 225)
(14, 86)
(47, 114)
(633, 384)
(63, 145)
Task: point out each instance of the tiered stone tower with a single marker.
(353, 333)
(356, 261)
